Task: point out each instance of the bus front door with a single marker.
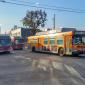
(68, 45)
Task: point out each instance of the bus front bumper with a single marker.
(6, 48)
(78, 52)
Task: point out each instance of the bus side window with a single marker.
(35, 41)
(60, 42)
(52, 41)
(46, 41)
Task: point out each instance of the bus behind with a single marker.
(17, 42)
(5, 43)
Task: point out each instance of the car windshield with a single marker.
(78, 39)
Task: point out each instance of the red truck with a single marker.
(17, 42)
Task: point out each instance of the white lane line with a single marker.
(81, 64)
(56, 82)
(43, 64)
(22, 57)
(74, 72)
(57, 65)
(18, 56)
(27, 58)
(42, 67)
(76, 82)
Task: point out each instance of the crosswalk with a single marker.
(64, 72)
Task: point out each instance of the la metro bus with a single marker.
(5, 43)
(17, 42)
(62, 43)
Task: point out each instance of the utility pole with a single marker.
(0, 29)
(54, 22)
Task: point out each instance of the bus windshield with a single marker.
(5, 40)
(19, 41)
(78, 39)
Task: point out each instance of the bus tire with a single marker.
(33, 49)
(61, 52)
(7, 52)
(75, 54)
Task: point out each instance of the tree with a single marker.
(34, 19)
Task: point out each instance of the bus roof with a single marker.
(4, 34)
(51, 34)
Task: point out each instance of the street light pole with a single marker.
(0, 29)
(54, 22)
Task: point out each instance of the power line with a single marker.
(45, 5)
(48, 8)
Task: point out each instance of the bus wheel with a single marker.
(7, 52)
(75, 55)
(61, 52)
(33, 49)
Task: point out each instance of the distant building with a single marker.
(20, 31)
(65, 29)
(68, 29)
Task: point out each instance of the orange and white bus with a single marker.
(63, 43)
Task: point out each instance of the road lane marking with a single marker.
(18, 56)
(27, 58)
(55, 81)
(74, 72)
(22, 57)
(81, 64)
(57, 65)
(76, 82)
(42, 67)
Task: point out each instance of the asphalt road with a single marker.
(23, 67)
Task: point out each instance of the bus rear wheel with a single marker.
(61, 52)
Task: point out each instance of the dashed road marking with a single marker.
(74, 72)
(57, 65)
(81, 64)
